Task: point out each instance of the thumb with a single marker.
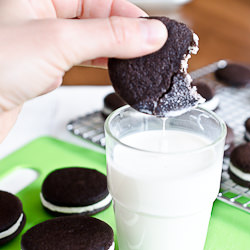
(82, 40)
(46, 48)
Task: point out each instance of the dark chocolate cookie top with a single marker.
(205, 89)
(240, 157)
(236, 75)
(10, 210)
(74, 187)
(158, 83)
(69, 233)
(247, 124)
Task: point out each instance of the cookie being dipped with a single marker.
(158, 84)
(75, 190)
(12, 217)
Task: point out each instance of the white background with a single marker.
(49, 114)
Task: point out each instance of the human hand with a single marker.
(40, 40)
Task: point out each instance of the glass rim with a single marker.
(213, 143)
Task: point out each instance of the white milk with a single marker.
(163, 201)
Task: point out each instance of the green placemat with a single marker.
(44, 155)
(228, 229)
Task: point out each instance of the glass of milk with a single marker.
(163, 175)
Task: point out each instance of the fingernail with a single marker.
(154, 31)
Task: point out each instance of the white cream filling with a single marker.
(239, 173)
(247, 134)
(192, 50)
(188, 79)
(112, 247)
(76, 210)
(196, 39)
(12, 229)
(184, 63)
(211, 104)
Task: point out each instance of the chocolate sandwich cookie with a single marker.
(75, 190)
(239, 168)
(229, 143)
(111, 102)
(70, 232)
(233, 74)
(12, 217)
(247, 132)
(158, 83)
(207, 91)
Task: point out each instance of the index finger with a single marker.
(96, 8)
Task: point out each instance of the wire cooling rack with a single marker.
(234, 109)
(89, 127)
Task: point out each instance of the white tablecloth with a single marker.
(49, 114)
